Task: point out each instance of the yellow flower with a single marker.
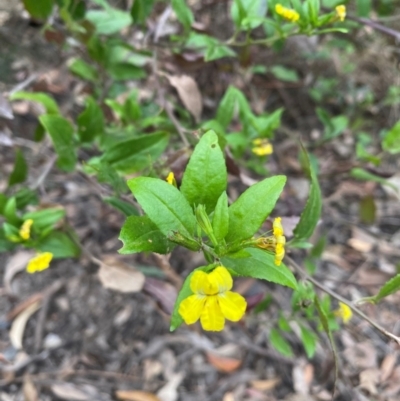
(262, 147)
(287, 13)
(274, 243)
(25, 230)
(341, 12)
(212, 301)
(344, 312)
(40, 262)
(171, 179)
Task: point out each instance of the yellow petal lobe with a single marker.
(25, 230)
(233, 305)
(211, 318)
(190, 308)
(199, 282)
(220, 279)
(39, 262)
(344, 312)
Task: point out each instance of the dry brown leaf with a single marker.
(387, 366)
(135, 395)
(369, 378)
(15, 264)
(169, 392)
(19, 323)
(29, 390)
(119, 276)
(265, 385)
(70, 392)
(226, 358)
(189, 93)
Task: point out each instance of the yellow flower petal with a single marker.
(344, 312)
(287, 13)
(219, 279)
(190, 308)
(25, 230)
(199, 282)
(341, 12)
(232, 305)
(171, 179)
(39, 262)
(277, 226)
(211, 318)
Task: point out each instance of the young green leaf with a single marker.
(391, 142)
(140, 234)
(164, 204)
(280, 344)
(249, 211)
(256, 263)
(141, 9)
(220, 221)
(390, 287)
(137, 153)
(90, 121)
(39, 9)
(45, 218)
(59, 244)
(126, 208)
(47, 101)
(10, 211)
(183, 13)
(364, 175)
(83, 70)
(61, 132)
(226, 107)
(312, 211)
(110, 21)
(20, 170)
(205, 176)
(309, 340)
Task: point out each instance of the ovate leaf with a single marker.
(205, 176)
(309, 340)
(220, 221)
(59, 244)
(391, 142)
(90, 121)
(256, 263)
(126, 208)
(164, 204)
(312, 211)
(47, 101)
(183, 13)
(40, 9)
(140, 234)
(390, 287)
(279, 343)
(110, 21)
(249, 211)
(61, 132)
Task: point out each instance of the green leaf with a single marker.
(39, 9)
(141, 9)
(185, 291)
(83, 70)
(259, 264)
(249, 211)
(26, 196)
(391, 142)
(61, 132)
(140, 234)
(20, 170)
(10, 212)
(3, 202)
(280, 344)
(363, 8)
(309, 340)
(325, 324)
(135, 154)
(205, 176)
(217, 51)
(248, 14)
(226, 107)
(164, 204)
(124, 71)
(90, 121)
(110, 21)
(183, 13)
(126, 208)
(364, 175)
(59, 244)
(284, 74)
(390, 287)
(312, 211)
(220, 221)
(45, 218)
(47, 101)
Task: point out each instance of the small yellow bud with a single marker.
(262, 147)
(25, 230)
(341, 12)
(171, 179)
(40, 262)
(287, 13)
(344, 312)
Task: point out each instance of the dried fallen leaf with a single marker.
(119, 276)
(29, 390)
(161, 291)
(387, 366)
(189, 93)
(169, 392)
(15, 264)
(265, 385)
(135, 395)
(369, 378)
(19, 323)
(71, 392)
(226, 358)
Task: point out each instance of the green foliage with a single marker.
(279, 343)
(43, 98)
(109, 21)
(205, 176)
(391, 141)
(40, 9)
(20, 171)
(90, 121)
(390, 287)
(183, 13)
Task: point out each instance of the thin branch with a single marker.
(333, 294)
